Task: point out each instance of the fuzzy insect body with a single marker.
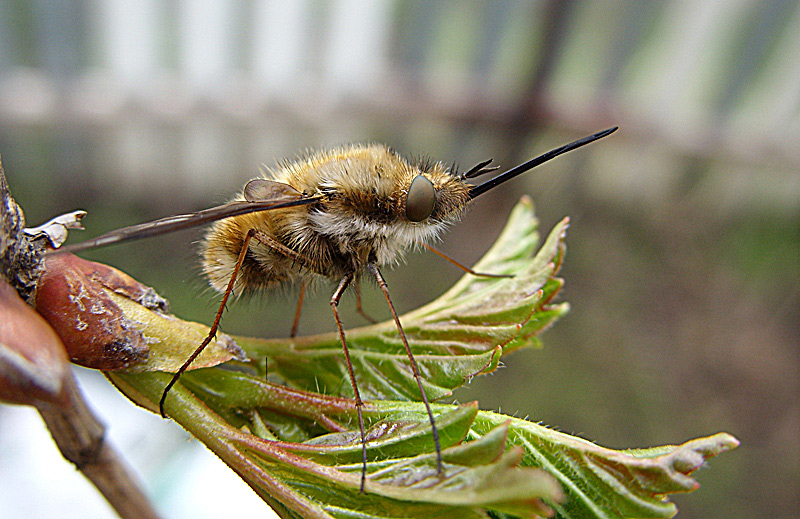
(361, 217)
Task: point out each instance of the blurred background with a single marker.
(684, 248)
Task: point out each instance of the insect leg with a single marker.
(464, 267)
(304, 262)
(359, 308)
(280, 248)
(385, 289)
(296, 322)
(337, 296)
(212, 332)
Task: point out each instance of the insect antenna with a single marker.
(480, 169)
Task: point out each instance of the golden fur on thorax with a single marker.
(361, 218)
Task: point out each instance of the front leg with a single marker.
(337, 296)
(212, 332)
(270, 242)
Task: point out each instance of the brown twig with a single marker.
(78, 434)
(81, 439)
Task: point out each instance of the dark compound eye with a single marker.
(421, 199)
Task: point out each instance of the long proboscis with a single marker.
(526, 166)
(183, 221)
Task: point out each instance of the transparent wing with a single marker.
(279, 200)
(264, 189)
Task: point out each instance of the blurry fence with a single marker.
(157, 94)
(683, 254)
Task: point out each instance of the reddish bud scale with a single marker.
(33, 362)
(73, 296)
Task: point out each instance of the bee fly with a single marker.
(335, 215)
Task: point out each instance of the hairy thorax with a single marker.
(360, 219)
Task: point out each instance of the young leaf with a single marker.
(461, 334)
(504, 465)
(604, 483)
(321, 478)
(300, 451)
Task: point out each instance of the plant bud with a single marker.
(73, 296)
(33, 362)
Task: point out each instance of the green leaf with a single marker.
(505, 465)
(301, 450)
(321, 477)
(604, 483)
(461, 334)
(173, 339)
